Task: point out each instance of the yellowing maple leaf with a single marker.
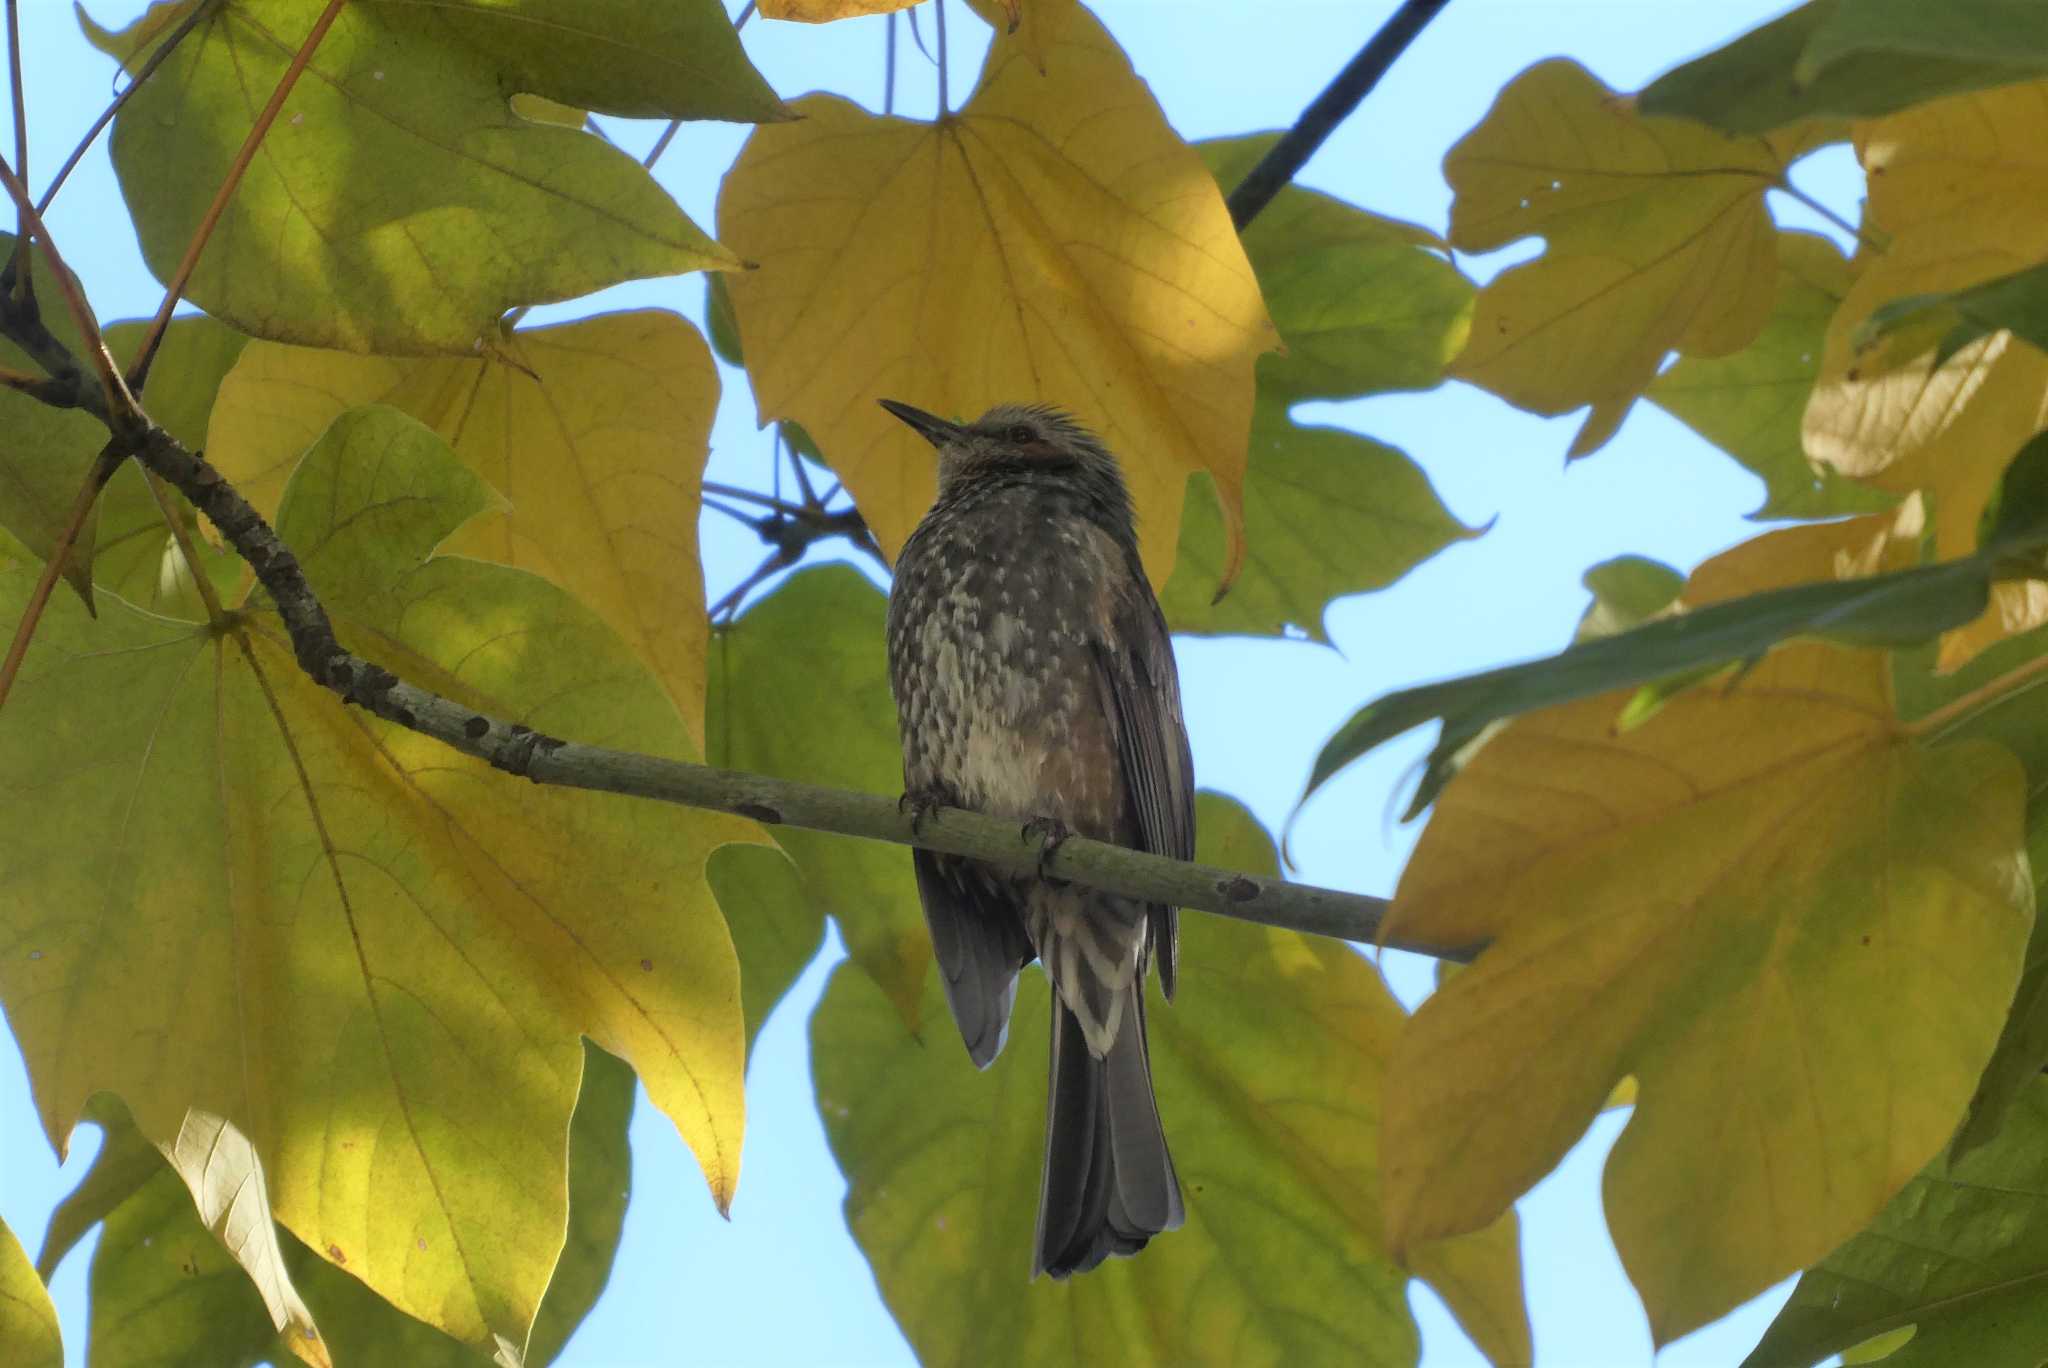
(1796, 926)
(1958, 195)
(593, 433)
(231, 895)
(1053, 240)
(1655, 233)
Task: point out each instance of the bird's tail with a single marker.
(1109, 1184)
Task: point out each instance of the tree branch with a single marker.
(519, 750)
(1329, 109)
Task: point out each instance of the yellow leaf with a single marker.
(28, 1320)
(228, 893)
(1794, 925)
(594, 433)
(1656, 239)
(1958, 195)
(1052, 241)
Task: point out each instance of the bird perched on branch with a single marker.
(1034, 679)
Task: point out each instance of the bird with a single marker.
(1034, 679)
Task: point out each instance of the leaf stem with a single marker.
(1785, 184)
(889, 67)
(1329, 109)
(175, 290)
(103, 467)
(1952, 714)
(20, 99)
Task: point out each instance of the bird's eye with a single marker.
(1021, 434)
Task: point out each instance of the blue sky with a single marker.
(782, 1282)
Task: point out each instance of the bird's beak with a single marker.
(931, 427)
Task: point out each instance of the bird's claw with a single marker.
(1052, 833)
(920, 805)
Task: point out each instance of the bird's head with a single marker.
(1026, 438)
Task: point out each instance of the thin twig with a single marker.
(668, 135)
(737, 515)
(1785, 184)
(103, 467)
(889, 67)
(175, 290)
(794, 510)
(796, 467)
(23, 319)
(745, 14)
(1329, 109)
(939, 13)
(20, 101)
(157, 56)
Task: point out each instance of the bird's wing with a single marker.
(1135, 669)
(978, 939)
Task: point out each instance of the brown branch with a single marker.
(1329, 109)
(175, 289)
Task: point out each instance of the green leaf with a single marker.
(1627, 591)
(1326, 513)
(777, 926)
(1267, 1067)
(720, 322)
(1853, 59)
(1901, 608)
(1962, 1254)
(1364, 304)
(1751, 404)
(333, 888)
(28, 1319)
(2018, 301)
(399, 204)
(799, 687)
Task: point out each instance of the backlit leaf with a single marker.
(1053, 240)
(1326, 513)
(28, 1320)
(1268, 1068)
(1768, 904)
(1961, 1256)
(1751, 404)
(399, 204)
(1656, 238)
(593, 433)
(800, 689)
(1959, 196)
(232, 875)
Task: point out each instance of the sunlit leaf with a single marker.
(1627, 592)
(1768, 882)
(28, 1320)
(593, 433)
(230, 875)
(800, 689)
(1817, 61)
(1751, 404)
(1268, 1070)
(1656, 238)
(1961, 1255)
(1958, 197)
(1364, 304)
(1326, 513)
(825, 11)
(399, 203)
(1052, 240)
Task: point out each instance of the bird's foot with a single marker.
(920, 804)
(1051, 833)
